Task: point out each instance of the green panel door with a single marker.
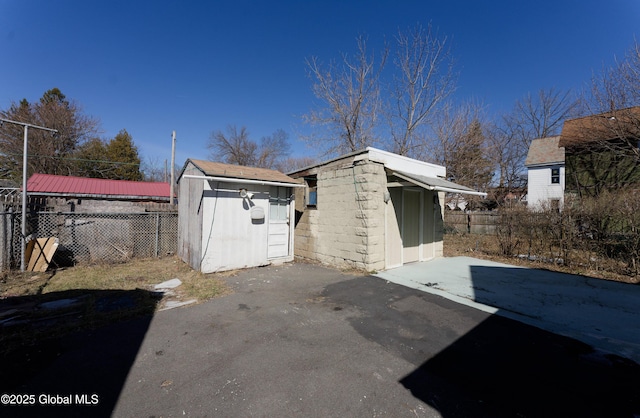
(411, 226)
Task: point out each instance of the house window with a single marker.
(555, 176)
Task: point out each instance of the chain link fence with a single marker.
(86, 238)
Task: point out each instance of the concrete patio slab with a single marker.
(601, 313)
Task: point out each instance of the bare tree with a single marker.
(295, 163)
(235, 147)
(507, 152)
(350, 96)
(631, 73)
(48, 154)
(155, 170)
(425, 78)
(460, 144)
(542, 115)
(534, 116)
(272, 149)
(616, 87)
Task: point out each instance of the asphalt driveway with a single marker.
(303, 340)
(603, 314)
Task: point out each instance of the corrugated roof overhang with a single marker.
(434, 183)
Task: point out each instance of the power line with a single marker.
(53, 157)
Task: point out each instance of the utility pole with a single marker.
(173, 163)
(166, 170)
(23, 229)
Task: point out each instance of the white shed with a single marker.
(232, 216)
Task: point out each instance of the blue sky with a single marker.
(152, 67)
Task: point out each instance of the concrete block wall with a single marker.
(306, 227)
(347, 227)
(96, 205)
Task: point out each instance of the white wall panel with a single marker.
(540, 188)
(231, 239)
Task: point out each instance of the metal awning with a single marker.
(435, 183)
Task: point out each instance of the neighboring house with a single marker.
(546, 173)
(232, 217)
(53, 193)
(371, 210)
(602, 151)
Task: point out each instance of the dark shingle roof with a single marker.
(214, 169)
(621, 123)
(545, 151)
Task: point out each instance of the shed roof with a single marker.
(214, 169)
(388, 159)
(545, 151)
(50, 184)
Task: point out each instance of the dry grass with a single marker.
(487, 247)
(136, 274)
(91, 296)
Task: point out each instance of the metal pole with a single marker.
(173, 163)
(157, 233)
(23, 229)
(24, 200)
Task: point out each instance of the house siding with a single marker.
(541, 190)
(590, 170)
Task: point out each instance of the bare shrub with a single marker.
(610, 230)
(545, 235)
(509, 231)
(599, 233)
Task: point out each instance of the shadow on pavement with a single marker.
(469, 363)
(504, 368)
(71, 350)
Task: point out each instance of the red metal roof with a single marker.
(82, 186)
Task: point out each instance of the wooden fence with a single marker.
(471, 222)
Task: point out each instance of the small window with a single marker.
(278, 203)
(313, 197)
(312, 191)
(555, 176)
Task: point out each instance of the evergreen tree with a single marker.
(91, 160)
(123, 154)
(467, 162)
